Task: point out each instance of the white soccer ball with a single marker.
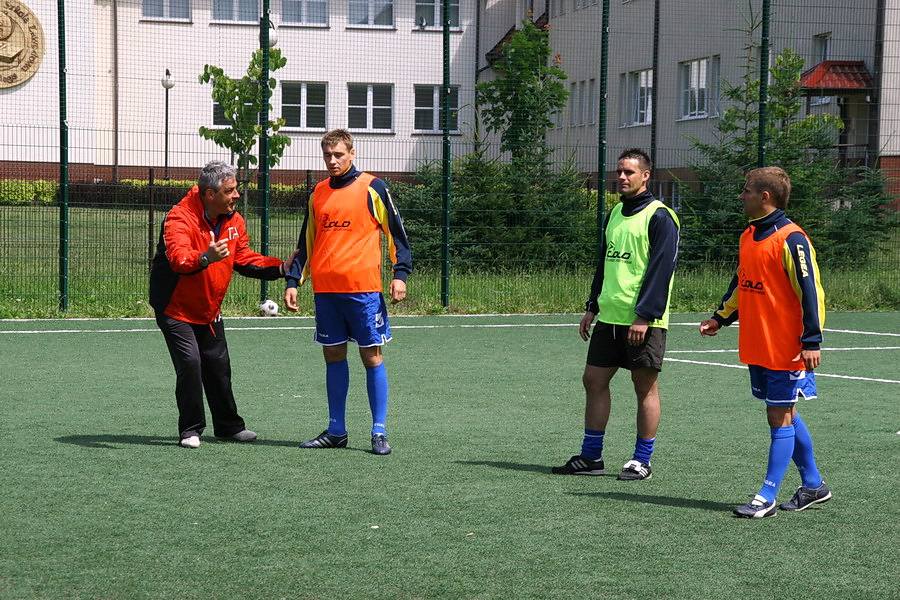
(268, 308)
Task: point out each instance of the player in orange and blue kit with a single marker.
(782, 313)
(340, 251)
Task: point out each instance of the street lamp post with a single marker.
(168, 82)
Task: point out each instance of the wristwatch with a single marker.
(203, 260)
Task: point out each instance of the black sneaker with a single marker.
(326, 440)
(633, 470)
(579, 465)
(805, 497)
(380, 444)
(757, 508)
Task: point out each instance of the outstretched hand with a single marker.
(709, 327)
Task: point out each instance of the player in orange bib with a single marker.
(782, 313)
(340, 251)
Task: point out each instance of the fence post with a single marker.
(601, 128)
(63, 164)
(263, 173)
(445, 159)
(151, 225)
(763, 84)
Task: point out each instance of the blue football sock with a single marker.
(803, 455)
(643, 449)
(592, 445)
(780, 450)
(337, 382)
(377, 387)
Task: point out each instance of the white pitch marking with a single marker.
(818, 374)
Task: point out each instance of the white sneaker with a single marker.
(190, 442)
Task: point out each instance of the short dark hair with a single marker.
(774, 180)
(639, 155)
(213, 174)
(335, 137)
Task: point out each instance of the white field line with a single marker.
(481, 326)
(818, 373)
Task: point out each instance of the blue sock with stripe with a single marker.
(377, 387)
(337, 383)
(781, 449)
(643, 449)
(592, 445)
(803, 454)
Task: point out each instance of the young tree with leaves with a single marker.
(527, 92)
(241, 101)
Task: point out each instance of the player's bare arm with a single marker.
(584, 328)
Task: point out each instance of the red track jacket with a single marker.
(179, 286)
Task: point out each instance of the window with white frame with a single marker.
(370, 107)
(573, 104)
(303, 104)
(699, 84)
(557, 7)
(372, 12)
(166, 9)
(583, 108)
(428, 13)
(822, 50)
(219, 119)
(304, 12)
(592, 100)
(246, 11)
(637, 98)
(429, 109)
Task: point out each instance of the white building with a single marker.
(376, 67)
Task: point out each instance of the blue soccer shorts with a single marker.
(781, 388)
(361, 318)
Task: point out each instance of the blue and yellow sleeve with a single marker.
(799, 261)
(384, 211)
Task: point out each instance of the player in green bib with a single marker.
(630, 301)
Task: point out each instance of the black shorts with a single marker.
(609, 348)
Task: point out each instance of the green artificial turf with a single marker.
(99, 502)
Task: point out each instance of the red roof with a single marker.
(838, 75)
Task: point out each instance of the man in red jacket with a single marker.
(203, 239)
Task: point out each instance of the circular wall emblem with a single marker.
(21, 43)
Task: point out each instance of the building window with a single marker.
(305, 12)
(573, 98)
(166, 9)
(429, 114)
(220, 120)
(246, 11)
(303, 104)
(372, 12)
(822, 52)
(822, 47)
(428, 13)
(592, 99)
(637, 98)
(370, 107)
(557, 8)
(699, 82)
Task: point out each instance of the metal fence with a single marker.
(101, 107)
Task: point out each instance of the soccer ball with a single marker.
(268, 308)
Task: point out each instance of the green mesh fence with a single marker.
(532, 133)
